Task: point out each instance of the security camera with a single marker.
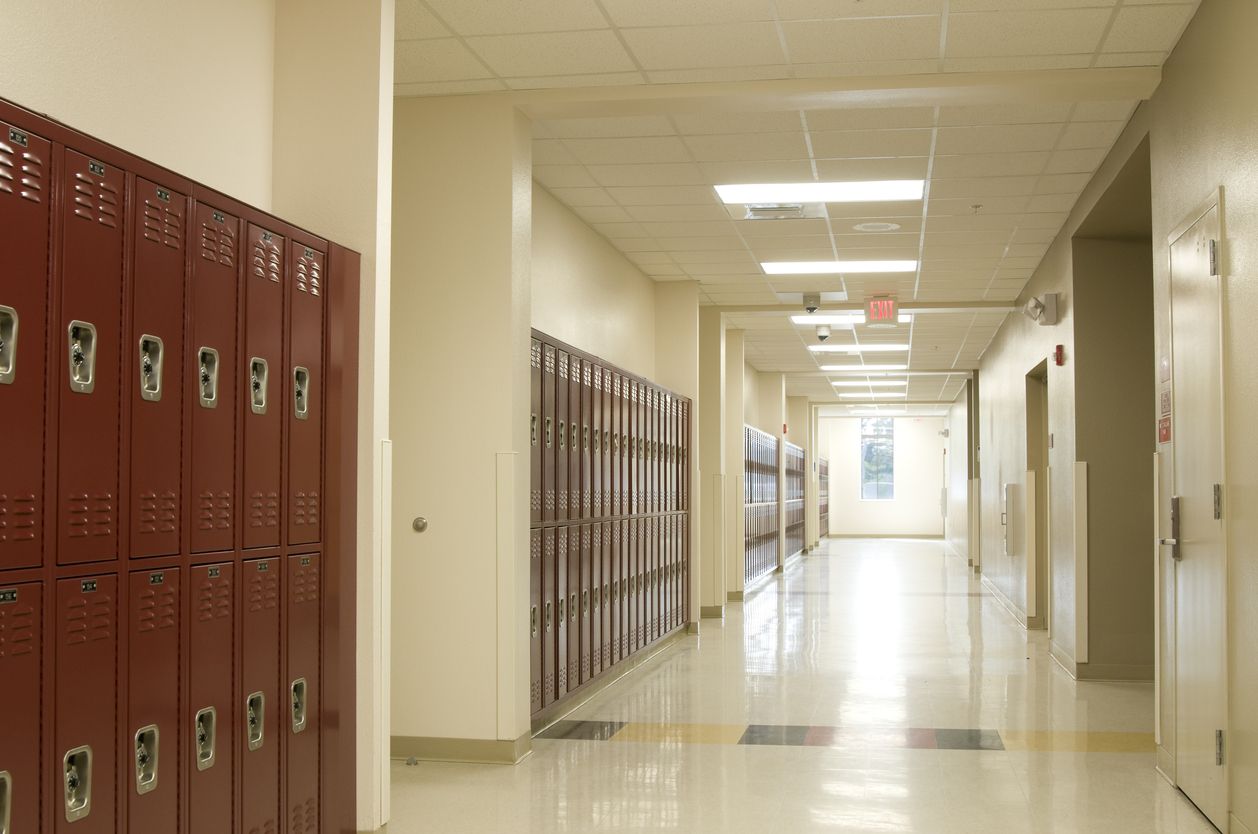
(823, 332)
(812, 303)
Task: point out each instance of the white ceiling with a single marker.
(1001, 179)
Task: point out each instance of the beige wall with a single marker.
(957, 524)
(735, 456)
(177, 83)
(586, 293)
(751, 396)
(918, 480)
(1205, 119)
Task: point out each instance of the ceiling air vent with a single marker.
(783, 211)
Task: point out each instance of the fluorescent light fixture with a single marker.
(857, 348)
(859, 369)
(841, 319)
(873, 383)
(879, 411)
(882, 396)
(822, 192)
(835, 267)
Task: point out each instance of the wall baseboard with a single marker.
(474, 750)
(1114, 672)
(712, 612)
(735, 596)
(1063, 659)
(1005, 602)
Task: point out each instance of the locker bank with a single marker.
(617, 415)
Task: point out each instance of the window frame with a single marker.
(889, 439)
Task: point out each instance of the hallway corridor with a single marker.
(873, 687)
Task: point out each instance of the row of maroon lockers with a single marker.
(599, 593)
(207, 710)
(760, 530)
(795, 467)
(604, 443)
(823, 494)
(130, 391)
(760, 467)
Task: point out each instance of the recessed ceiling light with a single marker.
(873, 383)
(822, 192)
(882, 396)
(835, 267)
(856, 369)
(857, 348)
(877, 227)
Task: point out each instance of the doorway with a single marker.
(1194, 431)
(1038, 442)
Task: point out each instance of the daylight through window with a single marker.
(877, 458)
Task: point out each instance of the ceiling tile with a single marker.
(552, 53)
(633, 175)
(517, 16)
(1005, 114)
(842, 69)
(997, 138)
(664, 214)
(620, 231)
(414, 20)
(775, 171)
(444, 59)
(1015, 33)
(663, 196)
(1148, 28)
(872, 39)
(1062, 184)
(672, 13)
(1022, 5)
(1017, 63)
(871, 118)
(692, 229)
(580, 196)
(1130, 59)
(973, 187)
(904, 168)
(552, 152)
(1090, 135)
(709, 74)
(548, 82)
(870, 143)
(1081, 161)
(616, 127)
(748, 147)
(445, 88)
(1103, 111)
(563, 176)
(991, 165)
(753, 230)
(830, 9)
(635, 150)
(715, 123)
(692, 47)
(602, 214)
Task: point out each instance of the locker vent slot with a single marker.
(157, 609)
(214, 512)
(267, 263)
(20, 169)
(306, 585)
(214, 600)
(255, 727)
(218, 244)
(157, 512)
(264, 509)
(8, 344)
(89, 515)
(306, 508)
(89, 623)
(305, 817)
(263, 591)
(16, 630)
(309, 273)
(94, 198)
(77, 783)
(17, 518)
(146, 752)
(162, 224)
(204, 737)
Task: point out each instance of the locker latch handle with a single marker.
(563, 610)
(255, 726)
(205, 728)
(548, 611)
(207, 372)
(152, 351)
(533, 430)
(585, 601)
(301, 393)
(533, 621)
(259, 384)
(146, 741)
(81, 336)
(6, 801)
(563, 434)
(8, 368)
(572, 607)
(549, 428)
(298, 691)
(77, 783)
(575, 435)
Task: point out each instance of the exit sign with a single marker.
(882, 309)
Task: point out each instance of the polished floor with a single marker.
(873, 687)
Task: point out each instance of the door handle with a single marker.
(1173, 542)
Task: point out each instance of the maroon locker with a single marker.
(548, 429)
(305, 403)
(616, 615)
(652, 448)
(596, 599)
(626, 442)
(683, 469)
(90, 336)
(153, 357)
(21, 647)
(653, 574)
(550, 625)
(212, 363)
(302, 696)
(576, 495)
(586, 619)
(265, 384)
(683, 550)
(535, 619)
(561, 438)
(633, 505)
(631, 554)
(606, 463)
(260, 696)
(211, 698)
(615, 424)
(608, 580)
(83, 776)
(24, 222)
(587, 442)
(535, 431)
(561, 612)
(574, 605)
(153, 708)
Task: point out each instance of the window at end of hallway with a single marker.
(877, 459)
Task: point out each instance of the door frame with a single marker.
(1214, 201)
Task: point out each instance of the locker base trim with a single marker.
(1113, 672)
(712, 612)
(735, 596)
(471, 750)
(692, 628)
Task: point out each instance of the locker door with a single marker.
(574, 606)
(657, 586)
(212, 363)
(265, 384)
(89, 335)
(303, 685)
(605, 467)
(561, 612)
(587, 442)
(631, 570)
(83, 775)
(535, 432)
(153, 357)
(586, 619)
(21, 647)
(596, 604)
(259, 698)
(305, 400)
(576, 495)
(605, 628)
(548, 429)
(635, 427)
(653, 449)
(615, 426)
(24, 223)
(153, 712)
(549, 614)
(595, 455)
(211, 699)
(561, 437)
(536, 604)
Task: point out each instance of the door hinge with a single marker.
(1218, 747)
(1214, 258)
(1218, 502)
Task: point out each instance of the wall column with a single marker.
(677, 367)
(712, 461)
(735, 461)
(460, 382)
